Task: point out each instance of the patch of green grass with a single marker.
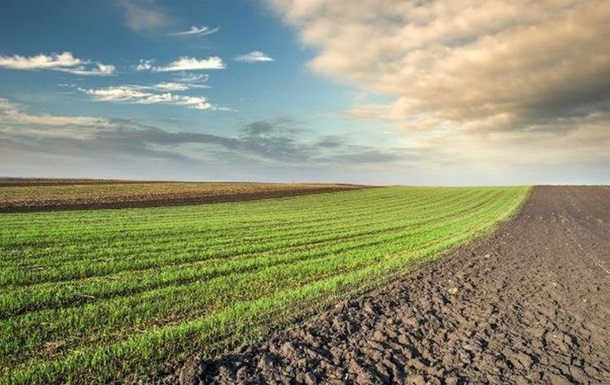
(97, 296)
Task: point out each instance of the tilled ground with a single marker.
(29, 195)
(528, 304)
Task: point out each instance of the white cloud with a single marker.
(170, 86)
(138, 95)
(145, 65)
(10, 113)
(143, 16)
(197, 31)
(253, 57)
(64, 62)
(186, 63)
(53, 61)
(187, 77)
(197, 103)
(126, 94)
(98, 70)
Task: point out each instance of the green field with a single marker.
(95, 296)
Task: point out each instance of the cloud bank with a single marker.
(43, 144)
(280, 142)
(493, 65)
(497, 91)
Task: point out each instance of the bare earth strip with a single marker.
(529, 304)
(27, 195)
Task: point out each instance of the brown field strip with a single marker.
(28, 195)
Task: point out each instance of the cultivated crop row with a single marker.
(101, 295)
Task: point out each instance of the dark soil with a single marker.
(529, 304)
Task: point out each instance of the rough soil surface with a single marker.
(529, 304)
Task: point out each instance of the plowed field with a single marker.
(26, 195)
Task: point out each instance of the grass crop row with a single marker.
(88, 307)
(129, 250)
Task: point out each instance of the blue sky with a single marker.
(378, 92)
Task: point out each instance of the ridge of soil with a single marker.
(528, 304)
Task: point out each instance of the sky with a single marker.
(410, 92)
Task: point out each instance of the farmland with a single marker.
(526, 304)
(19, 195)
(102, 295)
